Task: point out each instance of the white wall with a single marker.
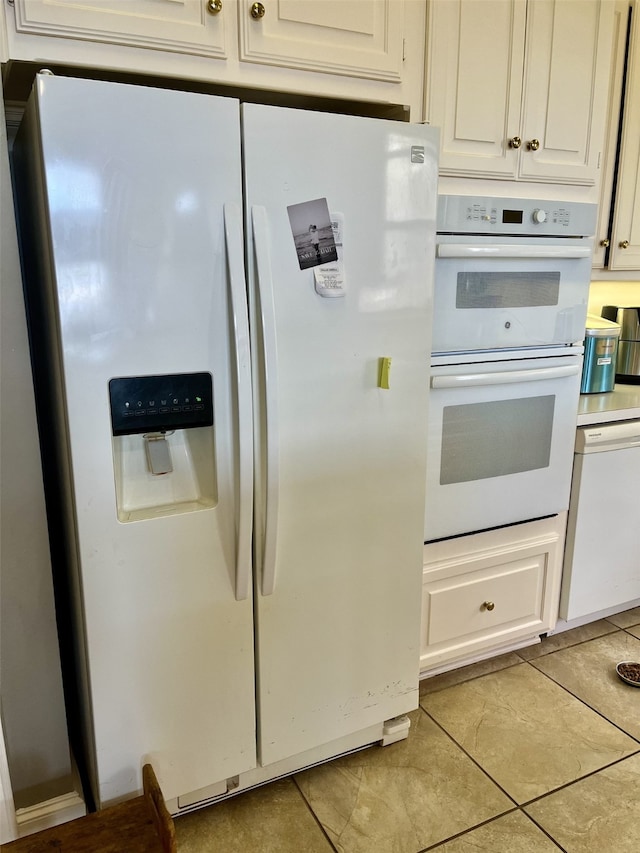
(623, 293)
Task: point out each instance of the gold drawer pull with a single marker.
(487, 605)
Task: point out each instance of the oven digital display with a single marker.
(512, 217)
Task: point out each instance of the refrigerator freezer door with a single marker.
(139, 271)
(339, 612)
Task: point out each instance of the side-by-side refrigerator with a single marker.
(231, 310)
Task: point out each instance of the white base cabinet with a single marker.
(489, 590)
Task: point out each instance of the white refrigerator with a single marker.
(231, 307)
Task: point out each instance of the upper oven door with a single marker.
(507, 292)
(499, 442)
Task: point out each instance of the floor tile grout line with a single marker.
(560, 787)
(516, 807)
(472, 678)
(467, 831)
(587, 705)
(542, 829)
(517, 652)
(616, 630)
(579, 779)
(471, 829)
(313, 814)
(471, 758)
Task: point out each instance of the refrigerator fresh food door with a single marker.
(341, 352)
(143, 190)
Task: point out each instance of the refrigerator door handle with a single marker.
(235, 255)
(270, 353)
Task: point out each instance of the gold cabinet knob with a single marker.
(624, 244)
(214, 6)
(533, 145)
(515, 142)
(605, 243)
(487, 605)
(257, 11)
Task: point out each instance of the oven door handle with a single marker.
(517, 250)
(465, 380)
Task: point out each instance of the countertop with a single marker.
(621, 404)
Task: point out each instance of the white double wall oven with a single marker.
(510, 303)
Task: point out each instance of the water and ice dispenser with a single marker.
(163, 444)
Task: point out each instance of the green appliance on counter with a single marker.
(600, 350)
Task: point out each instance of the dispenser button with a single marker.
(187, 408)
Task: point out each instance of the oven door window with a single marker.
(507, 289)
(496, 438)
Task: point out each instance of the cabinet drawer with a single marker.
(489, 590)
(487, 600)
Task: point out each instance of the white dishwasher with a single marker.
(602, 555)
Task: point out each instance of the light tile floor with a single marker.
(529, 752)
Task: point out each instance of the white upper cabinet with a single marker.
(519, 87)
(186, 26)
(567, 62)
(369, 50)
(625, 234)
(360, 37)
(474, 83)
(618, 64)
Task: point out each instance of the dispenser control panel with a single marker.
(160, 403)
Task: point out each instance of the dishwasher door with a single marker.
(602, 555)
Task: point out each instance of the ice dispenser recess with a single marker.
(163, 444)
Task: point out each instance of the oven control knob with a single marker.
(539, 216)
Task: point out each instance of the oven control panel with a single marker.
(526, 217)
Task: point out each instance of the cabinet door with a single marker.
(361, 38)
(184, 26)
(625, 240)
(618, 60)
(474, 82)
(567, 65)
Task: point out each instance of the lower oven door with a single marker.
(500, 442)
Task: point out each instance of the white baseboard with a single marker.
(566, 625)
(50, 813)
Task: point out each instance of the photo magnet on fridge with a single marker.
(312, 233)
